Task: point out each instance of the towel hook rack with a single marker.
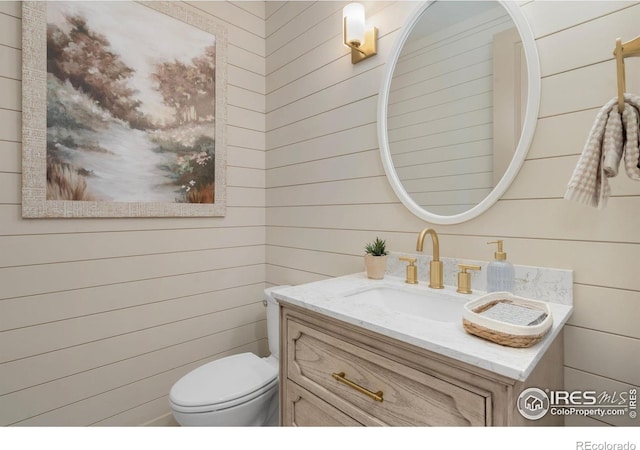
(624, 50)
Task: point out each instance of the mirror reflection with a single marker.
(456, 104)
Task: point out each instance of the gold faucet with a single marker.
(435, 266)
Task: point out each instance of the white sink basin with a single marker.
(437, 306)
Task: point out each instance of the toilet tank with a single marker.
(273, 320)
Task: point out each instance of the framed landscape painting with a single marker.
(124, 110)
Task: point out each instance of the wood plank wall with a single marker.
(327, 194)
(98, 318)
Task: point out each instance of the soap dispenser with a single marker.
(500, 272)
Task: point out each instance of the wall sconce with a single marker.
(362, 42)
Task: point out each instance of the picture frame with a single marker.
(123, 110)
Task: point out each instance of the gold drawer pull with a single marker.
(377, 396)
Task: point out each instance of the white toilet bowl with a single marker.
(238, 390)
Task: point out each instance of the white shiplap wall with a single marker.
(327, 194)
(98, 318)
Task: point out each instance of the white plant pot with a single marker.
(375, 266)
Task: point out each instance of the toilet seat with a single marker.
(223, 383)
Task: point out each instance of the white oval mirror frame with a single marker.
(528, 129)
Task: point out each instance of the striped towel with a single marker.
(612, 138)
(632, 145)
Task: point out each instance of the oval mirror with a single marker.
(458, 107)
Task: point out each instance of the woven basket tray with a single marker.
(501, 332)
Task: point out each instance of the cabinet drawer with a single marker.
(301, 408)
(409, 397)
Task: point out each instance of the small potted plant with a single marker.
(375, 259)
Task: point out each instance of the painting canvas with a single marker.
(124, 110)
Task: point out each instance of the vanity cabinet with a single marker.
(334, 373)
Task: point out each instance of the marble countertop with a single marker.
(445, 338)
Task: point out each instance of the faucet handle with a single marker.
(412, 271)
(464, 278)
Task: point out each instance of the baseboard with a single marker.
(165, 420)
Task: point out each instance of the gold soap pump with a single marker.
(499, 255)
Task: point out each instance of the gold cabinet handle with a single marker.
(377, 396)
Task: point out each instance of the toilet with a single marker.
(238, 390)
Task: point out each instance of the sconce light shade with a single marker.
(353, 22)
(362, 41)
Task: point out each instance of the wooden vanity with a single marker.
(333, 373)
